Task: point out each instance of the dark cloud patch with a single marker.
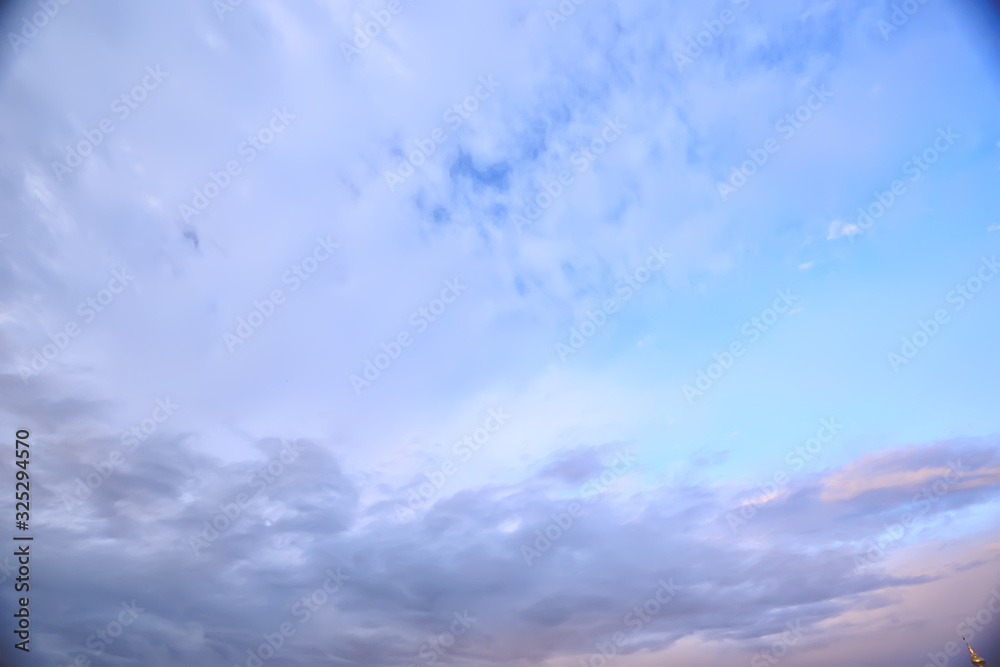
(132, 540)
(493, 176)
(580, 464)
(708, 458)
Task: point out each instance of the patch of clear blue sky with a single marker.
(858, 299)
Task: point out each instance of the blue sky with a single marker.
(262, 266)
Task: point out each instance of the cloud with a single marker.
(131, 538)
(334, 506)
(840, 229)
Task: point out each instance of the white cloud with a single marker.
(840, 229)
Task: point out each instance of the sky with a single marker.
(501, 333)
